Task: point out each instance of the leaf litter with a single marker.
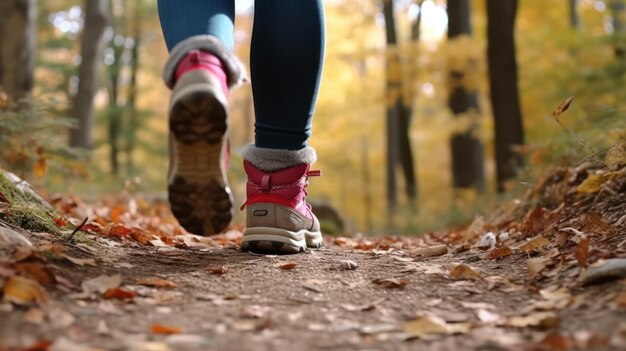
(534, 263)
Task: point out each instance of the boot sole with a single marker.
(276, 240)
(198, 190)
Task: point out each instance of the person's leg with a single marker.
(200, 71)
(286, 59)
(286, 64)
(181, 20)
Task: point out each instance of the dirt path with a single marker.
(547, 272)
(254, 303)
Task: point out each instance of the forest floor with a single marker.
(547, 272)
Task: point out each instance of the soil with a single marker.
(523, 290)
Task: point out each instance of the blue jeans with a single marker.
(286, 58)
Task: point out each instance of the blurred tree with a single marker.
(394, 104)
(618, 16)
(96, 15)
(574, 18)
(467, 150)
(509, 132)
(18, 37)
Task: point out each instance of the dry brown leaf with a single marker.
(462, 271)
(36, 271)
(544, 320)
(536, 265)
(535, 244)
(155, 282)
(119, 293)
(498, 252)
(40, 167)
(538, 220)
(23, 291)
(391, 283)
(287, 265)
(430, 325)
(582, 252)
(81, 261)
(219, 270)
(348, 265)
(555, 342)
(431, 251)
(165, 329)
(119, 231)
(563, 106)
(620, 301)
(101, 283)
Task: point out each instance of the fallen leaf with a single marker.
(219, 270)
(119, 231)
(101, 283)
(431, 251)
(536, 265)
(81, 261)
(119, 293)
(498, 252)
(535, 244)
(488, 316)
(555, 342)
(286, 265)
(538, 220)
(23, 291)
(620, 301)
(582, 252)
(155, 282)
(430, 325)
(255, 311)
(462, 271)
(40, 345)
(391, 283)
(563, 106)
(34, 316)
(60, 222)
(348, 265)
(614, 268)
(488, 241)
(36, 271)
(544, 320)
(592, 184)
(616, 157)
(164, 329)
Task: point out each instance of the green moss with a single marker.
(25, 210)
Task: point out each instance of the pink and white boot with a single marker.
(200, 72)
(278, 218)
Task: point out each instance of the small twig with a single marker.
(71, 237)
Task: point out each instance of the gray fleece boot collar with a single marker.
(271, 160)
(235, 70)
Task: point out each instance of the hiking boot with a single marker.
(198, 189)
(278, 219)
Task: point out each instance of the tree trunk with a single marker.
(467, 150)
(618, 14)
(574, 18)
(133, 118)
(394, 106)
(92, 45)
(509, 131)
(18, 40)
